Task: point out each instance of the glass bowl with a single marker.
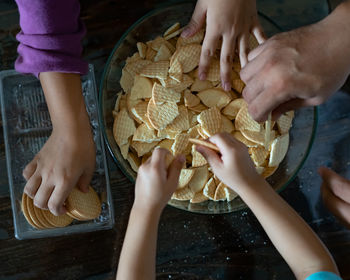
(154, 24)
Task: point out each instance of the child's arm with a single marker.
(293, 238)
(154, 187)
(231, 20)
(50, 48)
(68, 157)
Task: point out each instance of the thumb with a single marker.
(175, 169)
(196, 22)
(212, 157)
(338, 185)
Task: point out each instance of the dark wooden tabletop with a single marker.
(190, 246)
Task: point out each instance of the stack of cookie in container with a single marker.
(80, 206)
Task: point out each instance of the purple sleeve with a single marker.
(50, 39)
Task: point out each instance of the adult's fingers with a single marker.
(196, 22)
(253, 68)
(226, 60)
(338, 207)
(175, 169)
(253, 88)
(243, 49)
(208, 50)
(264, 103)
(257, 51)
(292, 104)
(338, 185)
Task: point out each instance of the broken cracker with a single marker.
(161, 115)
(214, 97)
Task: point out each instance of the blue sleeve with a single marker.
(323, 275)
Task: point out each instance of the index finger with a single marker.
(264, 103)
(223, 141)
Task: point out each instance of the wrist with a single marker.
(334, 26)
(252, 186)
(147, 211)
(72, 123)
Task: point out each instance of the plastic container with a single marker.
(27, 126)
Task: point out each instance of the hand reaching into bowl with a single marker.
(302, 67)
(229, 20)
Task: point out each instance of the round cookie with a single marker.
(86, 206)
(76, 216)
(30, 207)
(39, 214)
(72, 216)
(25, 211)
(57, 221)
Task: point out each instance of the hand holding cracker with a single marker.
(155, 182)
(231, 20)
(234, 167)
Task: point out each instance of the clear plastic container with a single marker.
(27, 126)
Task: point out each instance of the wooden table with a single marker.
(190, 246)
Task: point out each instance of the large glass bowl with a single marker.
(154, 24)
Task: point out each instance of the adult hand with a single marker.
(336, 194)
(299, 68)
(231, 20)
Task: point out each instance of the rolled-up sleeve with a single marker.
(50, 37)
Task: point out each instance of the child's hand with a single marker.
(65, 161)
(231, 20)
(336, 194)
(68, 157)
(155, 183)
(234, 167)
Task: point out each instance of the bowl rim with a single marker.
(103, 128)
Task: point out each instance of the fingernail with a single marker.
(202, 76)
(227, 86)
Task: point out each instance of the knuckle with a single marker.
(54, 206)
(39, 202)
(154, 168)
(226, 59)
(208, 52)
(246, 93)
(254, 112)
(29, 192)
(244, 75)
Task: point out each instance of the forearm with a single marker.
(293, 238)
(65, 101)
(336, 27)
(138, 256)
